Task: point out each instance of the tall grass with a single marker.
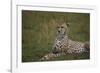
(39, 31)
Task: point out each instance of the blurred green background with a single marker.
(39, 32)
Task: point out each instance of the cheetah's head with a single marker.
(62, 28)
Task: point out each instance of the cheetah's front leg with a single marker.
(50, 56)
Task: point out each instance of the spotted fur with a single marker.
(63, 45)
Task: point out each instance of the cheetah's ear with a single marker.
(68, 24)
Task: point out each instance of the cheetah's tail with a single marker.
(87, 46)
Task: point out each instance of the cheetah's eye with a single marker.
(62, 27)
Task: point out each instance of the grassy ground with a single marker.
(39, 31)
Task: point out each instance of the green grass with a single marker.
(39, 32)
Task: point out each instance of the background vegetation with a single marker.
(39, 32)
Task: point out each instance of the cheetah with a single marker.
(63, 45)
